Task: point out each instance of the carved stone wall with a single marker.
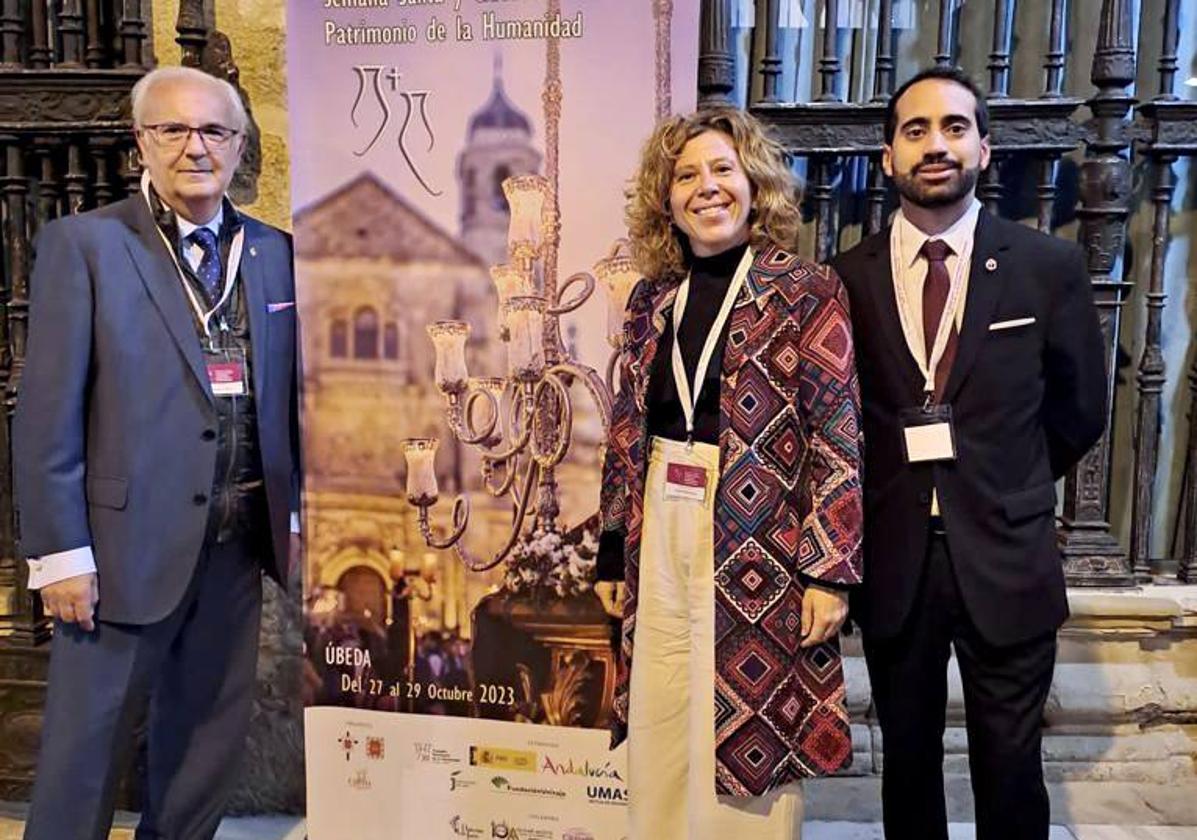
(255, 29)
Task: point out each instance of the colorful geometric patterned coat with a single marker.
(787, 509)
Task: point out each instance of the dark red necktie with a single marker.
(935, 297)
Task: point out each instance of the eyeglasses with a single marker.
(177, 135)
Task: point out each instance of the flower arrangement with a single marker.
(545, 563)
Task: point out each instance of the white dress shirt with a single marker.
(51, 568)
(906, 242)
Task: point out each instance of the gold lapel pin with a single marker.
(253, 252)
(991, 264)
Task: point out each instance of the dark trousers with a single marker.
(1005, 689)
(196, 670)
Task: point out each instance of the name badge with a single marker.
(685, 481)
(927, 434)
(227, 371)
(227, 378)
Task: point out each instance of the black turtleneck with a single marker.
(709, 279)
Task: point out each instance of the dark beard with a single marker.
(910, 189)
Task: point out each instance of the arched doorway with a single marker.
(365, 594)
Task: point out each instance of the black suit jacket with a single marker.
(1027, 403)
(112, 438)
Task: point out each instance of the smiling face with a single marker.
(190, 178)
(710, 196)
(937, 151)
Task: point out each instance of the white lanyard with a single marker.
(946, 321)
(688, 396)
(232, 266)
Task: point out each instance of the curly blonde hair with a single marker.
(658, 246)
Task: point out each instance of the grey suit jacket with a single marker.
(112, 433)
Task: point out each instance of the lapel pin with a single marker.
(991, 264)
(253, 252)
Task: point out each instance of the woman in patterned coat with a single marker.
(731, 492)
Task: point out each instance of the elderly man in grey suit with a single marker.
(156, 470)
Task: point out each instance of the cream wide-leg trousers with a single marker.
(671, 717)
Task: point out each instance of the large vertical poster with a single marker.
(458, 178)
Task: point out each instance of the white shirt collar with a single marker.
(186, 228)
(957, 236)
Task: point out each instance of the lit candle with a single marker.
(420, 454)
(525, 348)
(398, 564)
(619, 276)
(509, 281)
(449, 339)
(527, 196)
(429, 569)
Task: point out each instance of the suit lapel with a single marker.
(985, 282)
(886, 314)
(254, 278)
(161, 279)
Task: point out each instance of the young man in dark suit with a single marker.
(983, 381)
(156, 469)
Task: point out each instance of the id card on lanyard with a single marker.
(927, 433)
(226, 372)
(688, 481)
(226, 367)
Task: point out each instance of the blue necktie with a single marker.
(208, 270)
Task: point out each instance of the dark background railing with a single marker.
(837, 145)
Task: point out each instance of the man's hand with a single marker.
(611, 594)
(73, 600)
(823, 613)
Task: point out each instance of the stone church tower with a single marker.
(498, 145)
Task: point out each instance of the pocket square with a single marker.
(1011, 324)
(282, 306)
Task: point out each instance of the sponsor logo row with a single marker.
(605, 785)
(504, 830)
(374, 748)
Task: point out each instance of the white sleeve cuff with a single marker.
(294, 522)
(60, 565)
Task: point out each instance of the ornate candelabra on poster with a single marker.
(524, 430)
